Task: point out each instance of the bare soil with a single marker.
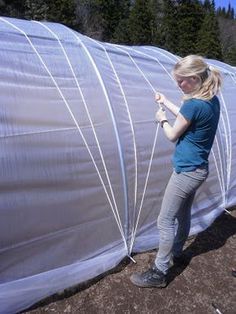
(206, 280)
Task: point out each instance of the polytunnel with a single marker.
(83, 163)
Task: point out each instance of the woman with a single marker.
(194, 130)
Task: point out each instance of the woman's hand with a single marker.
(160, 98)
(163, 101)
(161, 115)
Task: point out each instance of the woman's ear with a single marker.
(196, 79)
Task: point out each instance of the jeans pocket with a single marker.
(202, 173)
(201, 170)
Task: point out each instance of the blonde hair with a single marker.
(209, 77)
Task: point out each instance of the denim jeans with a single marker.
(176, 205)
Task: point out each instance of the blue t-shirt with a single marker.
(193, 147)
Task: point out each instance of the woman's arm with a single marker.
(160, 98)
(173, 132)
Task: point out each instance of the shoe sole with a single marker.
(143, 285)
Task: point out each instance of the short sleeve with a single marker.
(188, 110)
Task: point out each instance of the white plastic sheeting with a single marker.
(83, 163)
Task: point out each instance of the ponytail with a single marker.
(209, 77)
(210, 84)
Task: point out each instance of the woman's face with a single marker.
(187, 84)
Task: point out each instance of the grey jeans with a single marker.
(176, 205)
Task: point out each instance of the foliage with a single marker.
(12, 8)
(229, 14)
(169, 26)
(189, 16)
(179, 26)
(228, 39)
(140, 23)
(208, 43)
(100, 18)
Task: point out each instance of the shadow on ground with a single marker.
(206, 278)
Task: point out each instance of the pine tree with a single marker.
(121, 34)
(12, 8)
(230, 12)
(220, 12)
(101, 18)
(208, 43)
(190, 16)
(169, 26)
(112, 12)
(89, 18)
(36, 10)
(140, 23)
(157, 9)
(62, 11)
(228, 39)
(230, 56)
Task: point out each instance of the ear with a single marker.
(196, 79)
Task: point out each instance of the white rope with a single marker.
(228, 141)
(218, 175)
(134, 229)
(222, 146)
(89, 117)
(154, 144)
(132, 259)
(130, 119)
(228, 212)
(144, 76)
(222, 177)
(73, 118)
(111, 114)
(144, 190)
(156, 60)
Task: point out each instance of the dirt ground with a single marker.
(206, 280)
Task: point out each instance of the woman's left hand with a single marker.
(161, 115)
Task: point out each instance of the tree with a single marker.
(220, 12)
(140, 23)
(169, 26)
(113, 12)
(89, 18)
(190, 16)
(62, 11)
(157, 9)
(36, 10)
(101, 18)
(230, 12)
(121, 34)
(12, 8)
(230, 56)
(208, 40)
(228, 39)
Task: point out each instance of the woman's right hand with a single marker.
(160, 98)
(165, 102)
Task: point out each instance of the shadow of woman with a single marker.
(210, 239)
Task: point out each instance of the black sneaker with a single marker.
(150, 278)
